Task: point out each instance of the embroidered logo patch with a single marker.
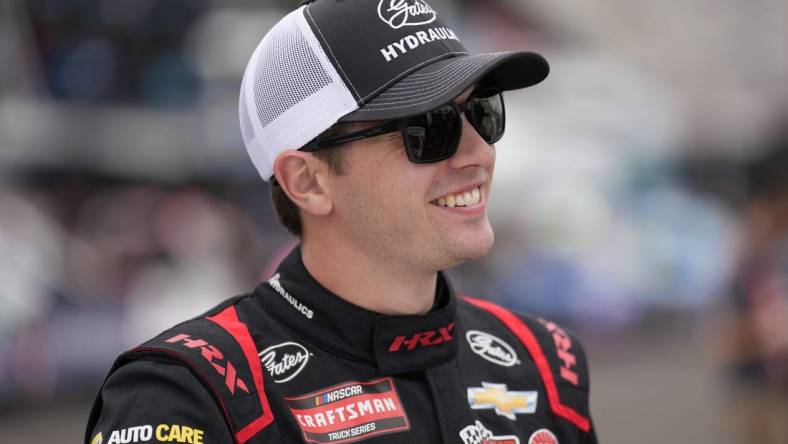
(423, 339)
(298, 305)
(349, 412)
(506, 403)
(145, 433)
(478, 434)
(563, 347)
(284, 361)
(399, 13)
(215, 357)
(135, 434)
(543, 436)
(491, 348)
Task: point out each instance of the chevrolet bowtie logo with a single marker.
(505, 403)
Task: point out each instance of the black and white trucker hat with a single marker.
(358, 60)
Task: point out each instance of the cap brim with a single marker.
(442, 81)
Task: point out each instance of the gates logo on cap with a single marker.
(399, 13)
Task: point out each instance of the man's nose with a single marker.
(473, 150)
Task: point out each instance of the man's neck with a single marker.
(368, 282)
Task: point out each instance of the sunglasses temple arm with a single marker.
(358, 135)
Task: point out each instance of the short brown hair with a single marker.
(286, 210)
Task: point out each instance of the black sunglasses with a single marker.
(435, 135)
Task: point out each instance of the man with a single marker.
(359, 337)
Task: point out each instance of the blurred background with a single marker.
(641, 198)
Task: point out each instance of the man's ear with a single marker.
(302, 177)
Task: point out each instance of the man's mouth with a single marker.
(464, 199)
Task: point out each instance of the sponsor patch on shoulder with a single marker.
(349, 412)
(563, 349)
(492, 348)
(478, 434)
(543, 436)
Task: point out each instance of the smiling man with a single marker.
(376, 130)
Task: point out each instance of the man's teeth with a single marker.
(461, 199)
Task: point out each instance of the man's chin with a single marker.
(471, 249)
(480, 251)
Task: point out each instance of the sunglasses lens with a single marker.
(433, 136)
(486, 114)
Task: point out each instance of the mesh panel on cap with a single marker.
(290, 92)
(246, 123)
(309, 76)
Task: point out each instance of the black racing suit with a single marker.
(291, 362)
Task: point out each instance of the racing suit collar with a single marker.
(395, 344)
